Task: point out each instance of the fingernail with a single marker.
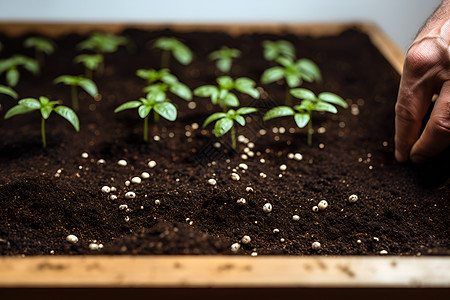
(418, 159)
(400, 157)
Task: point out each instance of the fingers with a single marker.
(436, 135)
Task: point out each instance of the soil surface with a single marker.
(46, 195)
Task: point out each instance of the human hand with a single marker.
(426, 72)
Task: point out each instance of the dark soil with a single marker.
(402, 208)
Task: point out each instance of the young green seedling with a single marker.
(224, 58)
(226, 122)
(162, 81)
(302, 112)
(10, 67)
(274, 49)
(175, 47)
(222, 94)
(74, 81)
(46, 107)
(91, 62)
(293, 72)
(42, 46)
(154, 101)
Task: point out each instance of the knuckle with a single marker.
(405, 114)
(423, 54)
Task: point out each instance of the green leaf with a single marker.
(240, 120)
(223, 126)
(182, 54)
(166, 110)
(206, 91)
(272, 74)
(30, 103)
(30, 64)
(285, 61)
(12, 76)
(225, 82)
(182, 91)
(310, 68)
(280, 111)
(214, 117)
(17, 110)
(67, 79)
(168, 78)
(89, 86)
(90, 61)
(224, 64)
(292, 80)
(144, 110)
(324, 106)
(246, 110)
(128, 105)
(6, 90)
(68, 114)
(246, 85)
(40, 43)
(231, 100)
(303, 94)
(45, 101)
(333, 98)
(46, 111)
(301, 119)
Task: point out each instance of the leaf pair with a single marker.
(40, 44)
(103, 43)
(86, 84)
(90, 61)
(169, 83)
(172, 45)
(222, 95)
(225, 121)
(275, 49)
(10, 66)
(224, 57)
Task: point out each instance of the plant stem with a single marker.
(88, 73)
(146, 129)
(165, 59)
(155, 116)
(233, 138)
(288, 98)
(40, 58)
(310, 130)
(74, 97)
(44, 142)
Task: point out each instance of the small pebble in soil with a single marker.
(145, 175)
(101, 161)
(156, 138)
(192, 105)
(282, 240)
(152, 164)
(157, 202)
(283, 167)
(235, 247)
(113, 197)
(136, 180)
(113, 189)
(93, 246)
(352, 198)
(262, 132)
(130, 195)
(281, 130)
(84, 155)
(358, 242)
(251, 153)
(321, 130)
(383, 252)
(127, 183)
(127, 218)
(249, 189)
(254, 254)
(217, 145)
(267, 208)
(246, 239)
(376, 239)
(244, 156)
(298, 156)
(290, 156)
(235, 176)
(385, 143)
(322, 205)
(122, 163)
(212, 181)
(276, 230)
(295, 217)
(123, 206)
(315, 208)
(262, 160)
(247, 150)
(316, 246)
(243, 166)
(241, 201)
(263, 175)
(321, 146)
(72, 239)
(106, 189)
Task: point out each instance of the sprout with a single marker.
(273, 50)
(91, 62)
(46, 107)
(156, 101)
(292, 72)
(6, 90)
(10, 66)
(41, 46)
(74, 81)
(224, 58)
(310, 102)
(222, 94)
(167, 82)
(225, 122)
(170, 45)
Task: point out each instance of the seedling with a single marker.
(293, 72)
(157, 102)
(222, 94)
(302, 112)
(226, 122)
(10, 67)
(42, 46)
(224, 58)
(74, 81)
(275, 49)
(91, 62)
(162, 81)
(46, 107)
(175, 47)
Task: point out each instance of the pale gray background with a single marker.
(400, 19)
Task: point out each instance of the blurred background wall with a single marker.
(400, 19)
